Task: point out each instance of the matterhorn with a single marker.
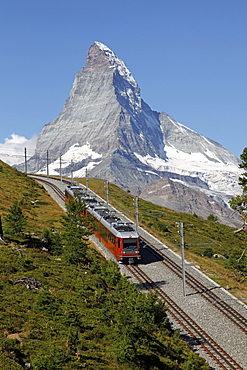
(106, 130)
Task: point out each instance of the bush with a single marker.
(212, 218)
(75, 235)
(11, 354)
(46, 303)
(52, 241)
(208, 252)
(50, 358)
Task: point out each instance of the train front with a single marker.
(128, 244)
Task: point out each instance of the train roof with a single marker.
(107, 217)
(77, 191)
(112, 222)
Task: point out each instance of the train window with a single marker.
(106, 234)
(129, 243)
(112, 238)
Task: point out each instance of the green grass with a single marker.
(16, 186)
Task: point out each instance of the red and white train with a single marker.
(118, 236)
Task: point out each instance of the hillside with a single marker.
(65, 307)
(42, 211)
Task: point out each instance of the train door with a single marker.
(119, 246)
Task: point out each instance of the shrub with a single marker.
(208, 252)
(212, 218)
(52, 241)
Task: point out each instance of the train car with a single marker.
(118, 236)
(73, 192)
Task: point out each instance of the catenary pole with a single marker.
(86, 181)
(137, 213)
(25, 155)
(61, 180)
(47, 164)
(181, 232)
(107, 193)
(72, 167)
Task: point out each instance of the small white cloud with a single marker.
(12, 151)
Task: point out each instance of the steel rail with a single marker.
(54, 187)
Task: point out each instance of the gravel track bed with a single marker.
(219, 327)
(208, 317)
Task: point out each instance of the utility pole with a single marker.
(137, 214)
(107, 193)
(25, 155)
(61, 180)
(86, 181)
(1, 229)
(72, 167)
(181, 232)
(47, 164)
(1, 232)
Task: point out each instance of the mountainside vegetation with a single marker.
(239, 203)
(39, 208)
(62, 305)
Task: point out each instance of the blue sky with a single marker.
(188, 57)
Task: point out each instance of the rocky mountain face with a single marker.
(107, 129)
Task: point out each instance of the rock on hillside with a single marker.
(169, 192)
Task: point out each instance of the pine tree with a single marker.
(52, 240)
(243, 179)
(239, 203)
(75, 235)
(15, 219)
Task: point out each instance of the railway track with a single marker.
(211, 348)
(54, 187)
(198, 287)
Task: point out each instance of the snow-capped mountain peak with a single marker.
(106, 128)
(118, 64)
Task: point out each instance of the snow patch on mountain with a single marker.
(75, 154)
(148, 172)
(155, 162)
(192, 161)
(188, 162)
(221, 178)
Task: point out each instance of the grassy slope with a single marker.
(68, 324)
(16, 186)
